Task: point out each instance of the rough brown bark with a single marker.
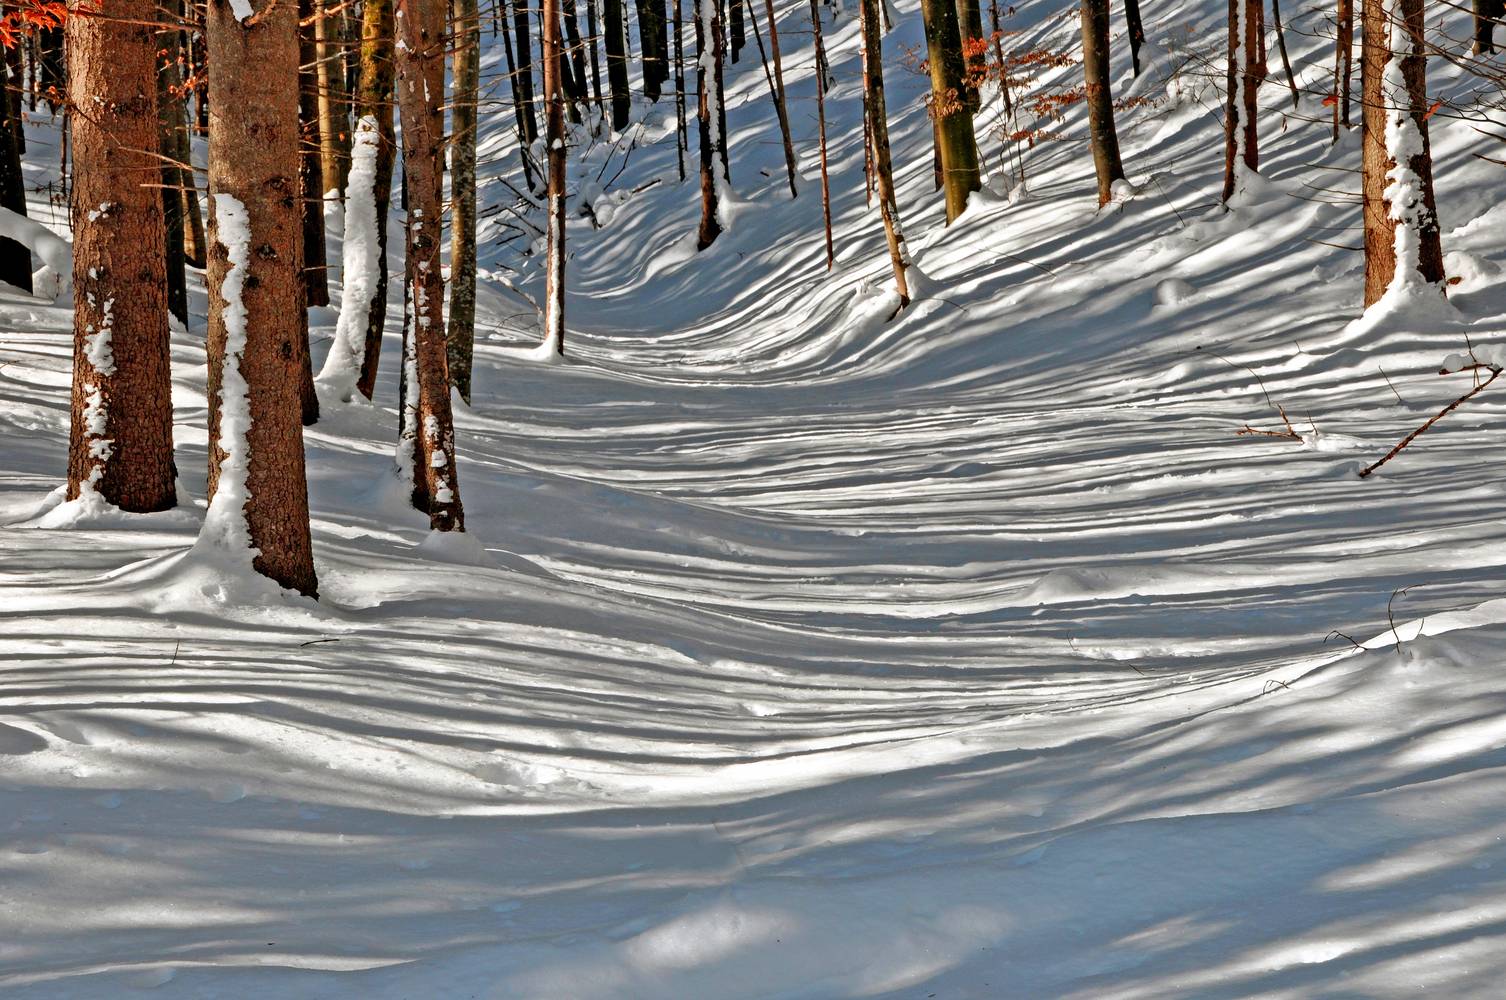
(253, 165)
(955, 141)
(1095, 65)
(120, 442)
(461, 335)
(970, 23)
(878, 134)
(420, 96)
(1380, 227)
(707, 41)
(374, 100)
(1244, 74)
(554, 134)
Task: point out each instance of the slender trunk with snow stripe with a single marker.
(121, 434)
(1402, 247)
(554, 134)
(429, 460)
(257, 488)
(360, 266)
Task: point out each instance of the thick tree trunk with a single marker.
(707, 42)
(1401, 220)
(651, 42)
(554, 132)
(1095, 64)
(955, 142)
(821, 127)
(426, 448)
(460, 340)
(257, 488)
(617, 67)
(1244, 74)
(120, 444)
(738, 38)
(334, 102)
(878, 133)
(374, 101)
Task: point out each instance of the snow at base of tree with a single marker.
(1404, 190)
(361, 266)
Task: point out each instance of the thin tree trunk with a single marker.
(577, 91)
(15, 258)
(1135, 27)
(460, 341)
(15, 66)
(617, 67)
(257, 487)
(955, 141)
(426, 448)
(878, 132)
(821, 127)
(174, 195)
(975, 59)
(707, 26)
(776, 88)
(1401, 236)
(524, 77)
(682, 143)
(334, 102)
(1241, 136)
(1286, 63)
(374, 101)
(195, 250)
(591, 30)
(520, 114)
(1343, 64)
(554, 124)
(738, 39)
(54, 73)
(120, 445)
(1487, 14)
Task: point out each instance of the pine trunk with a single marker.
(878, 133)
(120, 444)
(310, 164)
(1136, 30)
(970, 21)
(15, 258)
(554, 132)
(428, 434)
(821, 127)
(256, 465)
(1399, 234)
(461, 337)
(374, 101)
(617, 67)
(334, 102)
(1487, 13)
(1343, 67)
(956, 145)
(706, 21)
(1096, 75)
(173, 189)
(1245, 71)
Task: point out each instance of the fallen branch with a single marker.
(1495, 371)
(1290, 434)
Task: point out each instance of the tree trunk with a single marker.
(257, 488)
(54, 76)
(1401, 221)
(524, 78)
(576, 90)
(975, 59)
(776, 88)
(593, 34)
(522, 116)
(120, 443)
(334, 102)
(173, 111)
(16, 71)
(1286, 62)
(426, 449)
(707, 28)
(682, 142)
(554, 132)
(374, 101)
(878, 132)
(650, 42)
(735, 19)
(617, 67)
(1241, 136)
(15, 258)
(1343, 64)
(1096, 74)
(460, 341)
(956, 144)
(1136, 30)
(1487, 13)
(310, 163)
(174, 195)
(821, 127)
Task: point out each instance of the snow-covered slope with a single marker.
(797, 654)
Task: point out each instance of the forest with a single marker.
(752, 499)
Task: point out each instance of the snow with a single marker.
(801, 653)
(360, 269)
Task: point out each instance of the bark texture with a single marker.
(878, 134)
(1096, 75)
(428, 421)
(461, 335)
(955, 142)
(120, 443)
(374, 100)
(253, 159)
(554, 133)
(1246, 70)
(617, 67)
